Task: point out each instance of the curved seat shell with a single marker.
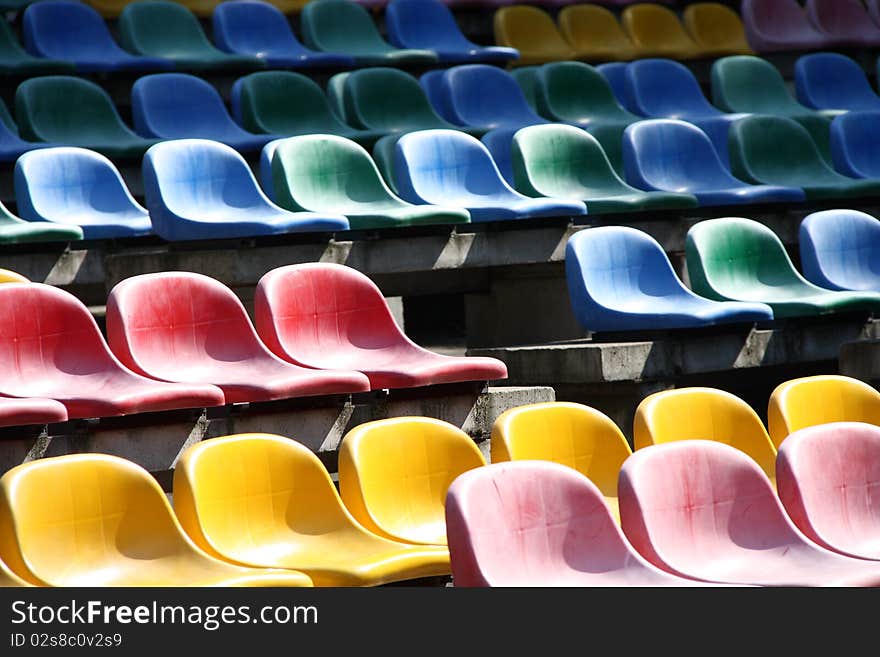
(840, 249)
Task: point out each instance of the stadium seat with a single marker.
(716, 28)
(855, 141)
(75, 32)
(657, 31)
(538, 523)
(16, 412)
(561, 161)
(777, 150)
(185, 106)
(840, 249)
(15, 60)
(813, 400)
(676, 156)
(739, 259)
(11, 143)
(67, 185)
(567, 433)
(15, 230)
(447, 166)
(165, 29)
(831, 81)
(532, 32)
(197, 189)
(780, 26)
(260, 29)
(873, 7)
(620, 279)
(394, 474)
(326, 173)
(52, 348)
(201, 8)
(704, 413)
(283, 495)
(383, 155)
(74, 111)
(666, 89)
(595, 33)
(614, 73)
(10, 579)
(431, 25)
(109, 523)
(295, 307)
(845, 23)
(526, 77)
(705, 510)
(343, 26)
(10, 276)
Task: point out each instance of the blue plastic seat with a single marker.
(432, 84)
(453, 168)
(76, 186)
(676, 156)
(431, 25)
(840, 250)
(197, 189)
(855, 144)
(75, 32)
(829, 81)
(260, 29)
(615, 74)
(620, 279)
(184, 106)
(11, 143)
(499, 143)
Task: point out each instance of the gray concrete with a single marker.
(861, 360)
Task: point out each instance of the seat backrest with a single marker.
(483, 95)
(426, 24)
(61, 28)
(773, 24)
(160, 28)
(587, 26)
(176, 105)
(252, 26)
(840, 249)
(339, 25)
(11, 49)
(855, 143)
(839, 18)
(748, 83)
(829, 80)
(614, 73)
(281, 102)
(382, 97)
(664, 87)
(527, 27)
(713, 25)
(573, 90)
(394, 474)
(527, 79)
(651, 25)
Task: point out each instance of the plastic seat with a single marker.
(574, 435)
(184, 106)
(657, 31)
(831, 81)
(844, 22)
(343, 26)
(70, 110)
(436, 166)
(705, 510)
(16, 412)
(537, 523)
(620, 279)
(15, 60)
(840, 249)
(595, 33)
(561, 161)
(704, 413)
(15, 230)
(75, 32)
(431, 25)
(394, 474)
(78, 187)
(779, 26)
(295, 305)
(11, 143)
(109, 524)
(10, 276)
(326, 173)
(716, 28)
(676, 156)
(51, 347)
(532, 32)
(278, 489)
(526, 77)
(854, 144)
(160, 28)
(739, 259)
(777, 150)
(820, 399)
(615, 75)
(201, 8)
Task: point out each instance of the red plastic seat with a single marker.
(703, 509)
(187, 327)
(50, 346)
(325, 316)
(829, 482)
(31, 410)
(539, 523)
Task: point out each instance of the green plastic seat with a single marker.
(15, 230)
(15, 60)
(383, 156)
(562, 161)
(776, 150)
(319, 172)
(527, 79)
(738, 259)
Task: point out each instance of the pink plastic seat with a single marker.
(845, 21)
(780, 25)
(703, 509)
(326, 316)
(32, 410)
(539, 523)
(187, 327)
(830, 485)
(50, 346)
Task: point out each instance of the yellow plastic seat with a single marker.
(266, 500)
(567, 433)
(9, 276)
(595, 33)
(716, 28)
(704, 414)
(10, 579)
(100, 520)
(812, 400)
(394, 473)
(658, 32)
(532, 31)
